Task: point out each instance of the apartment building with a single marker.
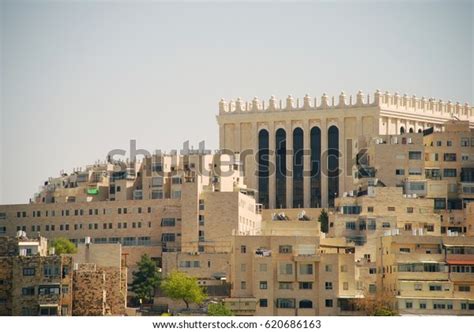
(189, 203)
(427, 275)
(290, 276)
(32, 280)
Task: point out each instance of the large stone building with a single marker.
(305, 151)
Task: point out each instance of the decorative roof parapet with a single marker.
(385, 101)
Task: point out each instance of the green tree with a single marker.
(180, 286)
(324, 221)
(146, 279)
(218, 309)
(62, 245)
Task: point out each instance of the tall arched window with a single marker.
(263, 169)
(420, 131)
(411, 130)
(402, 130)
(333, 164)
(315, 167)
(280, 150)
(298, 193)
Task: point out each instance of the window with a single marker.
(343, 268)
(435, 288)
(328, 268)
(168, 237)
(286, 268)
(28, 291)
(144, 241)
(391, 208)
(129, 241)
(370, 209)
(51, 270)
(263, 267)
(306, 285)
(328, 285)
(414, 171)
(328, 303)
(168, 222)
(449, 157)
(405, 250)
(263, 303)
(306, 304)
(385, 224)
(65, 289)
(417, 186)
(449, 172)
(263, 285)
(243, 285)
(464, 288)
(422, 305)
(156, 194)
(372, 270)
(306, 269)
(400, 171)
(48, 290)
(48, 311)
(372, 288)
(201, 204)
(351, 209)
(157, 181)
(243, 249)
(408, 305)
(351, 225)
(418, 287)
(285, 285)
(285, 249)
(345, 285)
(176, 194)
(414, 155)
(439, 306)
(285, 303)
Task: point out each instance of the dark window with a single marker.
(298, 196)
(315, 167)
(280, 142)
(263, 167)
(263, 303)
(333, 164)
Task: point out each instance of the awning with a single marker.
(460, 262)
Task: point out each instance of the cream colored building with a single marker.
(427, 275)
(328, 132)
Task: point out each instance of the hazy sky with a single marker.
(79, 79)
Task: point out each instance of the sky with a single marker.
(78, 79)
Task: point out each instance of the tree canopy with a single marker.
(324, 221)
(218, 309)
(146, 279)
(62, 245)
(180, 286)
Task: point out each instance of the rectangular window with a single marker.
(449, 172)
(400, 171)
(286, 268)
(285, 285)
(414, 155)
(435, 288)
(168, 237)
(168, 222)
(263, 303)
(449, 157)
(263, 267)
(263, 285)
(51, 271)
(328, 303)
(243, 285)
(243, 249)
(306, 285)
(464, 288)
(306, 269)
(328, 285)
(28, 291)
(285, 249)
(48, 290)
(286, 303)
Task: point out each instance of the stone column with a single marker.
(237, 145)
(272, 162)
(306, 165)
(289, 165)
(324, 163)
